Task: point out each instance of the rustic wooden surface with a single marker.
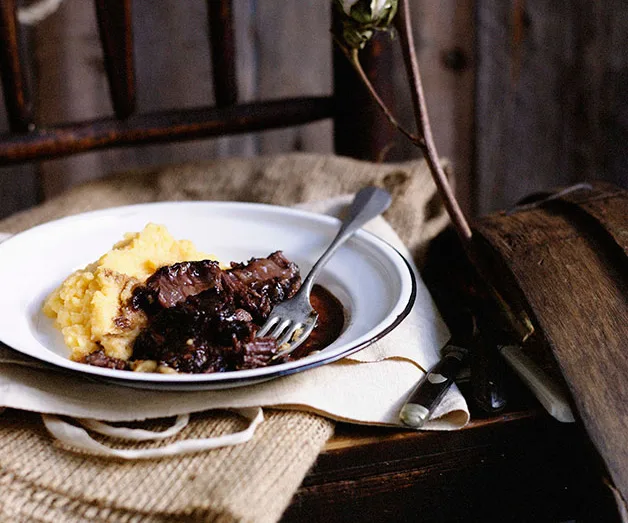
(551, 96)
(519, 466)
(574, 275)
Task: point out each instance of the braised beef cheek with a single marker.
(203, 319)
(173, 284)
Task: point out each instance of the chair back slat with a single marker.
(160, 127)
(116, 35)
(17, 97)
(223, 52)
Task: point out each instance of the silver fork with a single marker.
(292, 321)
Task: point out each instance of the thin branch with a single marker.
(423, 124)
(520, 326)
(522, 329)
(352, 56)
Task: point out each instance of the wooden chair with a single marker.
(519, 462)
(359, 130)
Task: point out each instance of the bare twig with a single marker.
(425, 142)
(520, 326)
(402, 22)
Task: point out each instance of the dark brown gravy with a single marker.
(331, 320)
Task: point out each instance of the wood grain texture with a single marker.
(17, 98)
(72, 86)
(445, 41)
(166, 126)
(551, 102)
(609, 206)
(174, 71)
(360, 128)
(116, 34)
(293, 58)
(519, 466)
(574, 276)
(445, 49)
(73, 83)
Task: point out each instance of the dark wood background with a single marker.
(524, 95)
(551, 96)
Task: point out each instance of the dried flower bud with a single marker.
(361, 18)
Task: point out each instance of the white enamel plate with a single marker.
(370, 278)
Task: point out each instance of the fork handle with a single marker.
(367, 204)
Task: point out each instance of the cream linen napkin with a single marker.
(367, 388)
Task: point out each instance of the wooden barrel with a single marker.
(565, 261)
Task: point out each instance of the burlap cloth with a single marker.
(250, 482)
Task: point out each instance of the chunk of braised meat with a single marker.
(275, 276)
(256, 286)
(231, 323)
(204, 319)
(100, 359)
(256, 304)
(173, 284)
(253, 353)
(262, 282)
(196, 356)
(168, 330)
(206, 323)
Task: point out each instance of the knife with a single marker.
(430, 390)
(549, 393)
(479, 324)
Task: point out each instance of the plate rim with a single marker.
(222, 379)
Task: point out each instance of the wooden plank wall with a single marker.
(173, 70)
(551, 98)
(444, 36)
(537, 100)
(283, 49)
